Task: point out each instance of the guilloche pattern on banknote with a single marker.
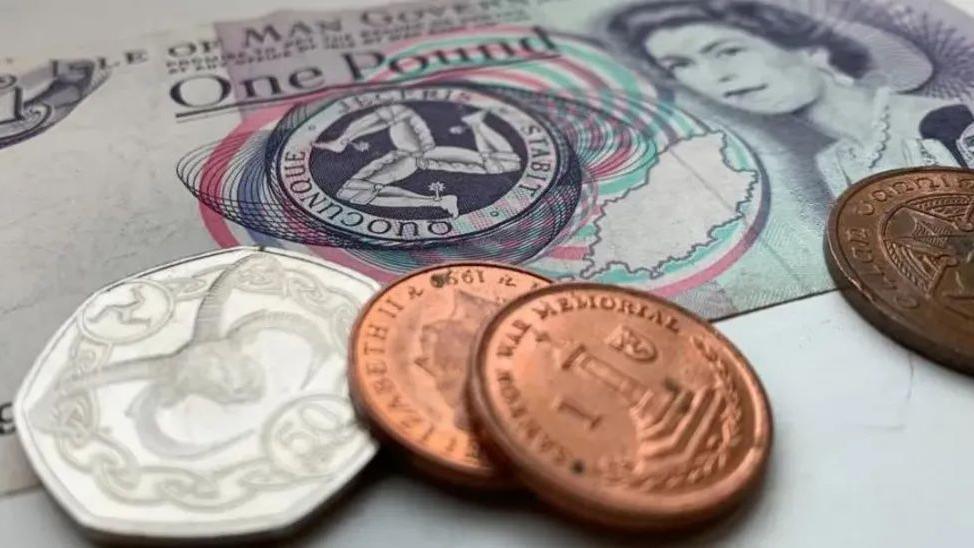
(700, 169)
(562, 160)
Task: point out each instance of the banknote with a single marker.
(689, 148)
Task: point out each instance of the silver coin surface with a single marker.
(204, 398)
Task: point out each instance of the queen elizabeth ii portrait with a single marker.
(872, 95)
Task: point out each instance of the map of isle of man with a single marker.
(686, 196)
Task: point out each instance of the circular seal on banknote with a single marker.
(901, 249)
(410, 354)
(619, 407)
(419, 165)
(202, 399)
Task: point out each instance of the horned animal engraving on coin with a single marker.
(211, 365)
(209, 391)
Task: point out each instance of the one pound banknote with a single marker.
(689, 148)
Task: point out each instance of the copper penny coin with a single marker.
(619, 407)
(901, 248)
(410, 357)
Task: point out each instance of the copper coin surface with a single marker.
(619, 407)
(901, 247)
(411, 350)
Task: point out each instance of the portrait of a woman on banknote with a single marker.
(853, 83)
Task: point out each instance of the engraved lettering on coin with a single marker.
(411, 358)
(620, 408)
(901, 247)
(302, 435)
(572, 407)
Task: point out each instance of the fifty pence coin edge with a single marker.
(549, 487)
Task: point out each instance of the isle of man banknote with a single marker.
(687, 147)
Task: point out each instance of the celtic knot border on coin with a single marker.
(90, 448)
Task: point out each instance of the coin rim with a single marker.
(238, 529)
(417, 455)
(867, 302)
(657, 513)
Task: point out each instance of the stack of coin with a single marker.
(410, 353)
(615, 406)
(900, 246)
(216, 397)
(230, 394)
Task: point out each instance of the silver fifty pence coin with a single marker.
(205, 398)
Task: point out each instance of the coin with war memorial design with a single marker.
(620, 408)
(410, 354)
(901, 247)
(202, 399)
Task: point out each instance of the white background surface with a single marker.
(872, 444)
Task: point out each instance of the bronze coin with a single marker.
(901, 249)
(410, 354)
(620, 408)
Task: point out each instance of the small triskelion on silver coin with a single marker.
(204, 398)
